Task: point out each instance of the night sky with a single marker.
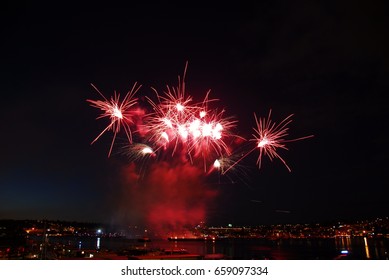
(325, 62)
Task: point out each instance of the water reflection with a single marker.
(343, 243)
(366, 248)
(363, 247)
(98, 243)
(304, 249)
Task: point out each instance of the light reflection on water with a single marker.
(363, 247)
(299, 249)
(366, 248)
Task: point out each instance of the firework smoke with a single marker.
(171, 198)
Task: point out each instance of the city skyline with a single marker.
(38, 239)
(325, 63)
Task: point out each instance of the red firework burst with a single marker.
(176, 121)
(269, 136)
(119, 112)
(177, 124)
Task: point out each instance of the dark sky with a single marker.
(324, 61)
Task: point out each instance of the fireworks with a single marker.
(175, 124)
(269, 137)
(178, 122)
(224, 164)
(119, 113)
(138, 151)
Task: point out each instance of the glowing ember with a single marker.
(216, 164)
(147, 150)
(179, 107)
(263, 142)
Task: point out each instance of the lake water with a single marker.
(244, 249)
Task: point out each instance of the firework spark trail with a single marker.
(138, 151)
(118, 112)
(236, 172)
(268, 137)
(224, 163)
(139, 155)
